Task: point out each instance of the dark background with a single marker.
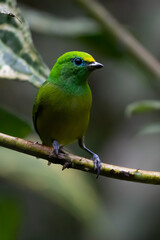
(40, 202)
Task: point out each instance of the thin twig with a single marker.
(83, 164)
(112, 26)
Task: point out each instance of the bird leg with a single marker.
(59, 149)
(56, 147)
(95, 157)
(56, 150)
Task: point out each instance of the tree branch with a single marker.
(83, 164)
(111, 25)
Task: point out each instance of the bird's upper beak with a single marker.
(94, 65)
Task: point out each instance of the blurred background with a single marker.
(40, 202)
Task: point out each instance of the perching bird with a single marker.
(62, 106)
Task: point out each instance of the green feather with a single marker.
(62, 106)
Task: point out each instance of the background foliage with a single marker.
(41, 202)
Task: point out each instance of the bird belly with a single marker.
(64, 121)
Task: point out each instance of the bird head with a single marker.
(74, 67)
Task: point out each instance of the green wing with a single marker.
(37, 107)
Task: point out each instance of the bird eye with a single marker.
(78, 61)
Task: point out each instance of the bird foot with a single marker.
(57, 149)
(97, 164)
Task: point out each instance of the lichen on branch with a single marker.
(80, 163)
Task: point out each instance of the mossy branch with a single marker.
(80, 163)
(111, 25)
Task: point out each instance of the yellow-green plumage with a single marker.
(62, 106)
(62, 116)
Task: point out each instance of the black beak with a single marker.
(94, 65)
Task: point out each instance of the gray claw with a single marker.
(56, 147)
(97, 164)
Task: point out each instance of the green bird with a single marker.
(62, 106)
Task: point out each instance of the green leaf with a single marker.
(45, 23)
(18, 59)
(83, 29)
(4, 11)
(9, 218)
(142, 106)
(13, 125)
(153, 128)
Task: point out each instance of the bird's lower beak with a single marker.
(94, 65)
